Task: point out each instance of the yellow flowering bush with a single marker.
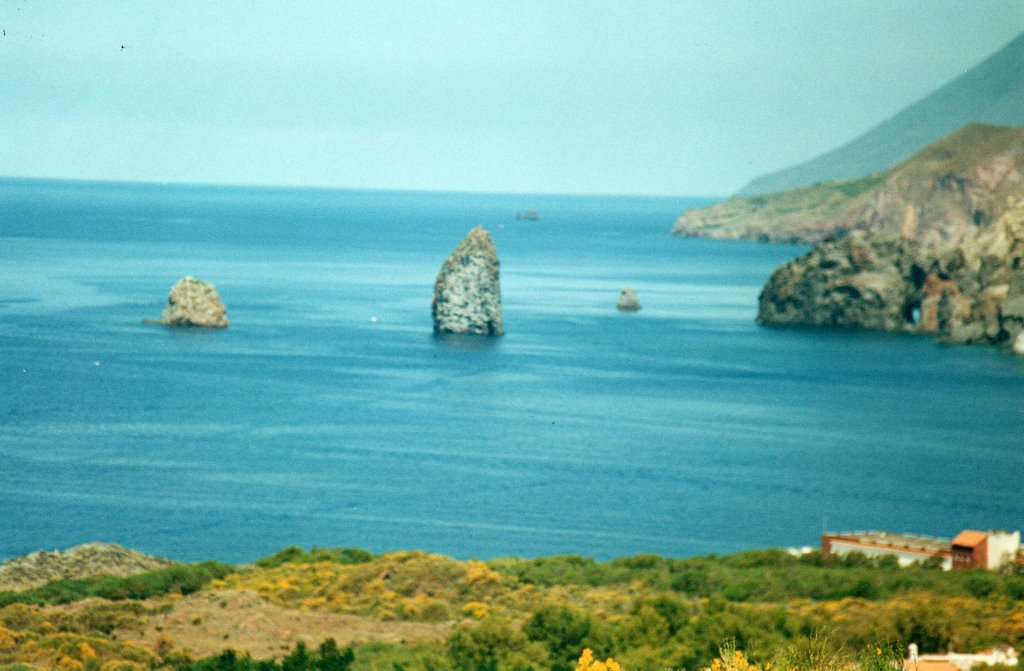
(475, 610)
(70, 652)
(66, 663)
(8, 639)
(731, 659)
(397, 585)
(588, 663)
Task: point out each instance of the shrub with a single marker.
(562, 630)
(296, 555)
(183, 579)
(588, 663)
(491, 645)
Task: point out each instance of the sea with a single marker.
(329, 414)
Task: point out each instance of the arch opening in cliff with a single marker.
(912, 313)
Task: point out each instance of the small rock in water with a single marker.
(628, 301)
(193, 302)
(467, 293)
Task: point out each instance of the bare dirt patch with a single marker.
(206, 623)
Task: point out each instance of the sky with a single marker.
(693, 97)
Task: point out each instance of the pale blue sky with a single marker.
(642, 97)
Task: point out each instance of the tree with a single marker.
(330, 658)
(486, 646)
(297, 660)
(562, 630)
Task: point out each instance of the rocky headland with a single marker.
(83, 561)
(467, 293)
(933, 245)
(193, 302)
(864, 280)
(940, 197)
(971, 292)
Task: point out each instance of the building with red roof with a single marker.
(969, 549)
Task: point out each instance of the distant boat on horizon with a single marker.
(529, 215)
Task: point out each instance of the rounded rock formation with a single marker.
(971, 293)
(193, 302)
(467, 293)
(628, 301)
(867, 280)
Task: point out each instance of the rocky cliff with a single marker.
(467, 293)
(865, 280)
(971, 292)
(83, 561)
(193, 302)
(940, 197)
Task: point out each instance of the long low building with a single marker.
(969, 549)
(959, 661)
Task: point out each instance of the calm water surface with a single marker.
(328, 414)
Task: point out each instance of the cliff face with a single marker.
(467, 293)
(969, 293)
(941, 197)
(865, 280)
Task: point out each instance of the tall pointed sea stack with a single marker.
(467, 294)
(193, 302)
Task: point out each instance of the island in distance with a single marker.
(193, 303)
(467, 293)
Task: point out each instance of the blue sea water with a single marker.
(328, 414)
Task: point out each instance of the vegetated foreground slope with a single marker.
(939, 197)
(992, 92)
(412, 610)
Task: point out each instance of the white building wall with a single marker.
(1002, 656)
(903, 557)
(1002, 547)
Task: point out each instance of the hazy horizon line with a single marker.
(315, 187)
